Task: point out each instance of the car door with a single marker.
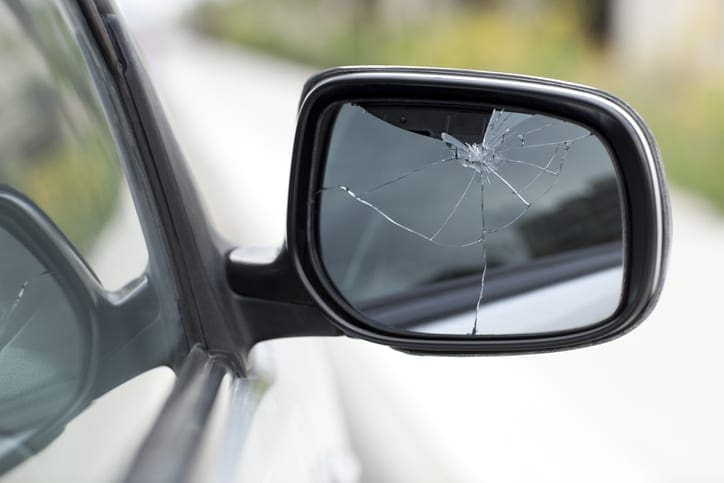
(66, 160)
(88, 155)
(71, 161)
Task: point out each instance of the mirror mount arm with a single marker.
(133, 336)
(271, 297)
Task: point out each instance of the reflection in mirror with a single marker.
(469, 221)
(43, 348)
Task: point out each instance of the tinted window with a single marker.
(62, 150)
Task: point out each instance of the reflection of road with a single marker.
(568, 304)
(644, 408)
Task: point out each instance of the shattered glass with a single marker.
(41, 346)
(451, 189)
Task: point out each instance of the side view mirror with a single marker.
(440, 211)
(64, 341)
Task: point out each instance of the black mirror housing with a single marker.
(644, 201)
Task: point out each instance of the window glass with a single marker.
(88, 310)
(55, 146)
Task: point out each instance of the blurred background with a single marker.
(665, 57)
(644, 408)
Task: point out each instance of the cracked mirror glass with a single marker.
(469, 221)
(43, 348)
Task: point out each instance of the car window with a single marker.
(54, 150)
(64, 170)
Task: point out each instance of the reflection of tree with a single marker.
(580, 222)
(40, 103)
(55, 146)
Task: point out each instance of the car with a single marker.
(434, 211)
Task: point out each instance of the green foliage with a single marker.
(688, 124)
(76, 186)
(488, 39)
(686, 114)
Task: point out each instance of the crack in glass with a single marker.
(10, 327)
(503, 158)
